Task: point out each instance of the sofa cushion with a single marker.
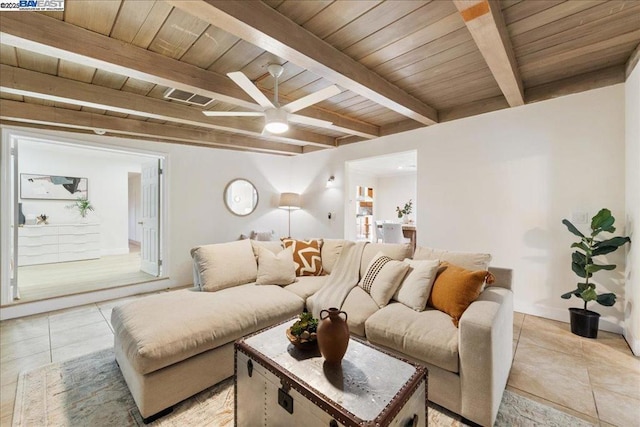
(274, 246)
(382, 278)
(416, 286)
(426, 335)
(469, 260)
(275, 269)
(306, 256)
(163, 329)
(397, 251)
(224, 265)
(359, 306)
(455, 288)
(305, 286)
(330, 252)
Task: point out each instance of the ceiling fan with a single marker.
(277, 117)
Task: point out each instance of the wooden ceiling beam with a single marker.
(574, 84)
(16, 124)
(18, 81)
(397, 127)
(632, 61)
(263, 26)
(487, 27)
(53, 37)
(23, 112)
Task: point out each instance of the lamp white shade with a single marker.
(290, 201)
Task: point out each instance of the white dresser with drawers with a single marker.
(43, 244)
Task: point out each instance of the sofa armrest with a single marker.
(504, 277)
(485, 350)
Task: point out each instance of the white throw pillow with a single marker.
(383, 277)
(416, 286)
(275, 269)
(274, 246)
(224, 265)
(467, 260)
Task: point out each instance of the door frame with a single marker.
(9, 205)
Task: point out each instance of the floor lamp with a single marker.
(289, 201)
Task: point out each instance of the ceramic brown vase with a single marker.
(333, 335)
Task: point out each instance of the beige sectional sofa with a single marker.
(173, 345)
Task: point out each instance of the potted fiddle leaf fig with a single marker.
(585, 322)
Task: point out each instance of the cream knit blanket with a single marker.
(344, 276)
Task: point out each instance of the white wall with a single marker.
(107, 175)
(394, 191)
(502, 182)
(632, 135)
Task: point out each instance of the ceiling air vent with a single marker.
(191, 98)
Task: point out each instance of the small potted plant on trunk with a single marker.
(585, 322)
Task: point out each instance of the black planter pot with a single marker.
(584, 322)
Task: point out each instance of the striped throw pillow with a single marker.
(306, 256)
(383, 277)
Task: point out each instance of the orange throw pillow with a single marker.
(455, 288)
(306, 256)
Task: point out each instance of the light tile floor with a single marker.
(597, 380)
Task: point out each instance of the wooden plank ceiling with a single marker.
(106, 65)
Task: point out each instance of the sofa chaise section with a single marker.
(173, 345)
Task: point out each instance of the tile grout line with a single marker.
(50, 344)
(593, 395)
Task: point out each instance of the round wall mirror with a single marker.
(241, 197)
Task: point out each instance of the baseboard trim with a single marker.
(562, 315)
(633, 342)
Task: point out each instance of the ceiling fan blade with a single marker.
(304, 120)
(252, 90)
(312, 98)
(233, 113)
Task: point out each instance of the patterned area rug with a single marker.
(90, 391)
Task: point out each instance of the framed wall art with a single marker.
(53, 187)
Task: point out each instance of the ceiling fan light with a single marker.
(276, 120)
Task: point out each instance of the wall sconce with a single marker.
(331, 181)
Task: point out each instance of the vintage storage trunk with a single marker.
(279, 385)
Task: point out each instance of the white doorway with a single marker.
(68, 254)
(381, 184)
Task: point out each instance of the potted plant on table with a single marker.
(405, 211)
(303, 333)
(585, 322)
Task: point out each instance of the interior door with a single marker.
(150, 261)
(9, 223)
